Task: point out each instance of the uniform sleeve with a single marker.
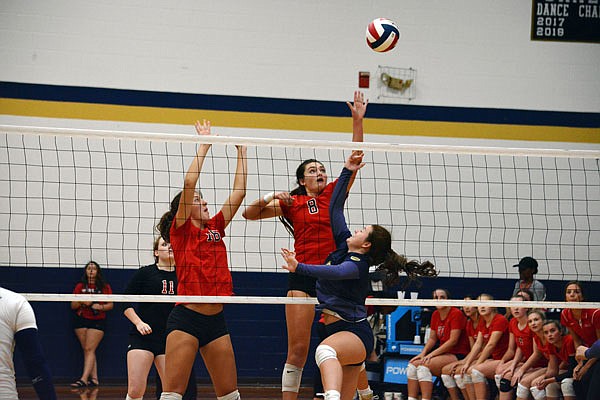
(78, 288)
(457, 320)
(594, 351)
(596, 318)
(134, 286)
(346, 270)
(28, 343)
(25, 317)
(499, 324)
(336, 209)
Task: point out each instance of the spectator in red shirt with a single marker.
(90, 321)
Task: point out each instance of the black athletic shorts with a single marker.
(80, 322)
(303, 283)
(205, 328)
(361, 329)
(154, 343)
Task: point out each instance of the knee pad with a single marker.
(235, 395)
(460, 382)
(424, 374)
(497, 379)
(505, 386)
(449, 381)
(537, 394)
(128, 397)
(324, 353)
(411, 372)
(170, 396)
(522, 391)
(566, 386)
(332, 395)
(553, 390)
(477, 377)
(467, 379)
(291, 378)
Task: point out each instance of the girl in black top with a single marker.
(147, 338)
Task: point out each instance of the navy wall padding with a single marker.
(258, 331)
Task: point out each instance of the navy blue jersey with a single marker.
(153, 281)
(343, 282)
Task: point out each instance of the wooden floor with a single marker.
(118, 392)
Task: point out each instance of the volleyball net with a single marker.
(68, 196)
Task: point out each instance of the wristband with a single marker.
(267, 198)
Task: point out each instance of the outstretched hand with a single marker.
(290, 259)
(359, 107)
(203, 128)
(354, 162)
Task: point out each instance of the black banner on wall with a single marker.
(566, 20)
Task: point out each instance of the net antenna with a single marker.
(70, 195)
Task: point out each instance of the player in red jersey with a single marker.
(584, 326)
(520, 348)
(492, 342)
(448, 327)
(90, 321)
(202, 270)
(305, 213)
(559, 374)
(450, 376)
(535, 365)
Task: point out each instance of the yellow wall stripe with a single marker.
(286, 122)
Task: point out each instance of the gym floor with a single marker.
(118, 392)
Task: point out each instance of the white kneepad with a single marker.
(324, 353)
(424, 374)
(566, 386)
(235, 395)
(537, 394)
(291, 378)
(449, 381)
(522, 391)
(411, 372)
(497, 379)
(460, 382)
(477, 376)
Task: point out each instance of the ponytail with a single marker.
(166, 221)
(391, 263)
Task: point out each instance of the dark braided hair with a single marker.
(391, 263)
(164, 225)
(289, 226)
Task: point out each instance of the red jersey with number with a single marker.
(567, 349)
(87, 312)
(201, 258)
(498, 324)
(523, 338)
(442, 328)
(586, 327)
(313, 238)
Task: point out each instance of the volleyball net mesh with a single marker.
(68, 196)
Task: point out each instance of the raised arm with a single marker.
(358, 109)
(339, 195)
(191, 177)
(232, 204)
